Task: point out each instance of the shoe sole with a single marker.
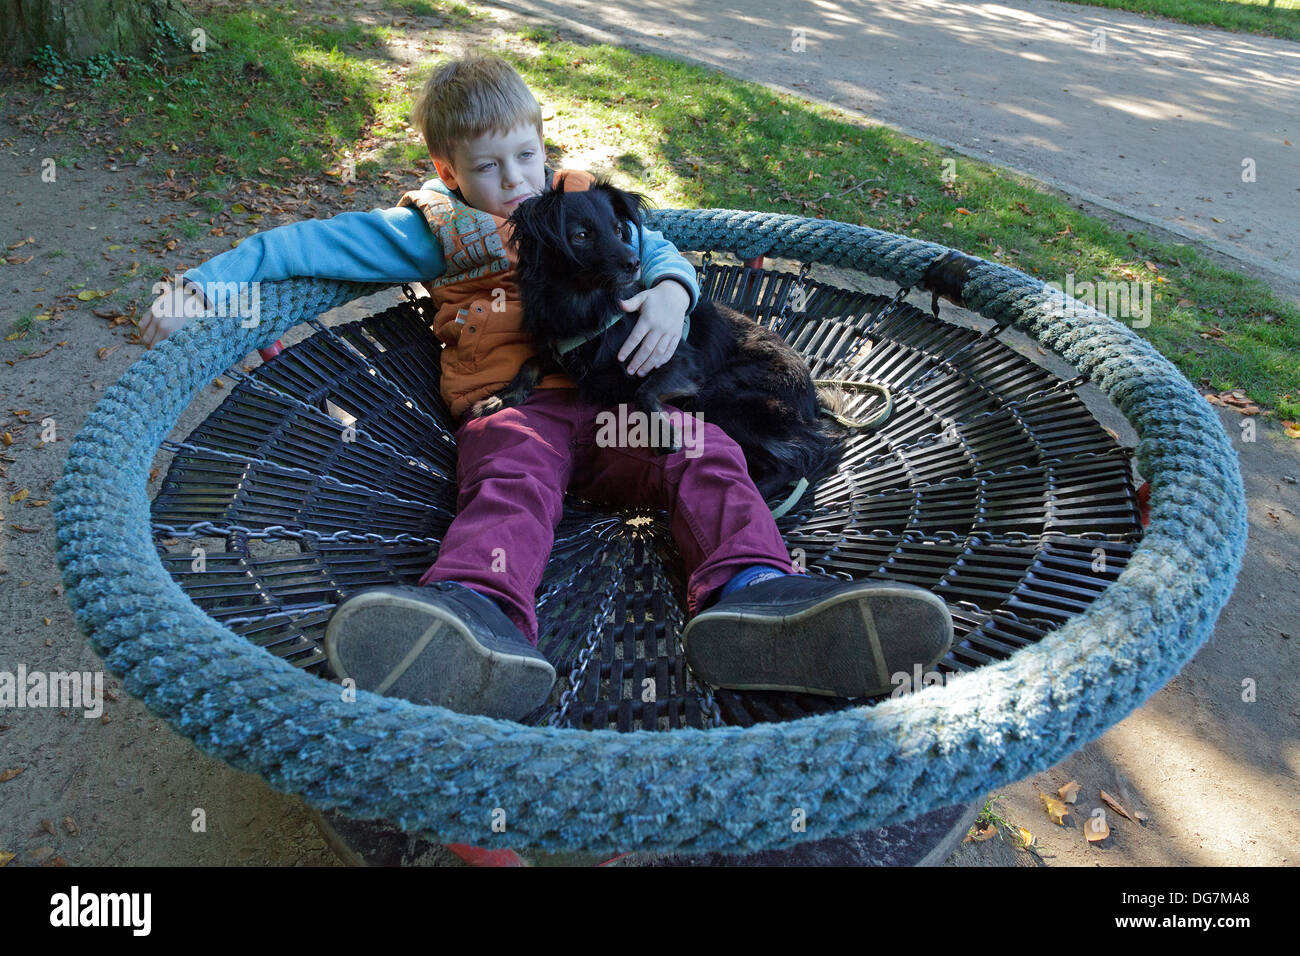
(425, 653)
(829, 646)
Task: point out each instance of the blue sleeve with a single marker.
(661, 260)
(384, 245)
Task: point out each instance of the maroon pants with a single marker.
(516, 464)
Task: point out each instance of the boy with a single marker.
(466, 636)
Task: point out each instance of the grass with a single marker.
(274, 98)
(1275, 18)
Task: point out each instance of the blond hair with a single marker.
(467, 97)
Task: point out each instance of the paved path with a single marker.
(1155, 126)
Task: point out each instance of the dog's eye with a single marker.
(578, 236)
(625, 230)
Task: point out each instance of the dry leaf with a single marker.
(1069, 793)
(1114, 805)
(105, 351)
(17, 496)
(10, 773)
(1026, 838)
(1096, 829)
(1292, 429)
(1056, 810)
(7, 438)
(963, 211)
(48, 827)
(979, 834)
(87, 295)
(5, 857)
(70, 825)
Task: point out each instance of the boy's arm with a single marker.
(671, 293)
(660, 260)
(384, 245)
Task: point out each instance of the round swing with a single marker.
(330, 469)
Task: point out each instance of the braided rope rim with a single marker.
(442, 774)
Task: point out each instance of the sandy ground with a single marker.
(1215, 774)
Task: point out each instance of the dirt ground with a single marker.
(1215, 775)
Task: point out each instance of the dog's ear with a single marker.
(628, 206)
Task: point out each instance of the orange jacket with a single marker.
(483, 346)
(479, 315)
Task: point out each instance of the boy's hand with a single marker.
(168, 313)
(659, 328)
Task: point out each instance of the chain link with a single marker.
(278, 532)
(579, 672)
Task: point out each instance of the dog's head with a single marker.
(579, 239)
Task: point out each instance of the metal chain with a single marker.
(677, 626)
(579, 672)
(278, 532)
(297, 612)
(797, 290)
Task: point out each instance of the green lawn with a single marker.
(1275, 18)
(279, 99)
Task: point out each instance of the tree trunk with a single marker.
(79, 29)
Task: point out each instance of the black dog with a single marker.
(574, 267)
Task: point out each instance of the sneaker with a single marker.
(442, 643)
(821, 636)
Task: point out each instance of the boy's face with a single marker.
(495, 173)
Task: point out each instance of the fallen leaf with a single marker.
(86, 295)
(105, 351)
(1069, 793)
(963, 211)
(18, 496)
(1023, 208)
(22, 242)
(1096, 829)
(1140, 816)
(1114, 805)
(5, 857)
(1216, 219)
(1026, 838)
(10, 773)
(978, 834)
(56, 861)
(40, 854)
(1056, 810)
(48, 827)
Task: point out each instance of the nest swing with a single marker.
(330, 469)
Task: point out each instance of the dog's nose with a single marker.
(632, 264)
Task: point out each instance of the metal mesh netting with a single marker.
(331, 469)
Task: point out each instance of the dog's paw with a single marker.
(485, 407)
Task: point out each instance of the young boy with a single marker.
(466, 636)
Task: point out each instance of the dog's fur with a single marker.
(574, 267)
